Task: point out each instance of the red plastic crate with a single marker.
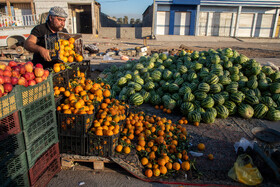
(48, 174)
(9, 125)
(42, 163)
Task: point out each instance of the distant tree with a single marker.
(132, 21)
(114, 17)
(119, 21)
(138, 21)
(125, 20)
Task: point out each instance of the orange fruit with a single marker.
(169, 165)
(119, 148)
(56, 69)
(161, 162)
(163, 170)
(156, 172)
(71, 40)
(176, 166)
(65, 42)
(201, 147)
(144, 161)
(79, 58)
(210, 156)
(138, 148)
(186, 166)
(126, 150)
(149, 173)
(70, 59)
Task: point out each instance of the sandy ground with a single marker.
(261, 49)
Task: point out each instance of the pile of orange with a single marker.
(161, 144)
(109, 117)
(161, 107)
(67, 51)
(82, 95)
(57, 67)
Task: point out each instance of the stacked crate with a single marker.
(13, 162)
(72, 128)
(39, 128)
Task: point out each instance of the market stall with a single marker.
(168, 118)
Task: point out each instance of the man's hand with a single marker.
(30, 45)
(45, 53)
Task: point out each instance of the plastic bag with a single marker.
(244, 171)
(244, 143)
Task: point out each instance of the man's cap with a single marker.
(58, 11)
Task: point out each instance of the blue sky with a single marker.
(121, 8)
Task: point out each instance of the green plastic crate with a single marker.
(13, 168)
(8, 104)
(22, 180)
(30, 94)
(41, 145)
(37, 127)
(38, 108)
(12, 146)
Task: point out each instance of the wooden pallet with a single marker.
(68, 161)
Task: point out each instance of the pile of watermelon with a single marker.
(202, 85)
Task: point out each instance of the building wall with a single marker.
(125, 32)
(222, 21)
(255, 18)
(261, 3)
(147, 19)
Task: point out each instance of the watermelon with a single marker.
(122, 81)
(183, 90)
(173, 87)
(245, 110)
(215, 88)
(149, 86)
(188, 97)
(136, 99)
(155, 99)
(179, 81)
(260, 111)
(167, 75)
(203, 87)
(139, 80)
(186, 107)
(208, 102)
(273, 114)
(170, 103)
(218, 99)
(275, 88)
(183, 69)
(194, 116)
(208, 117)
(252, 84)
(215, 59)
(231, 106)
(200, 95)
(232, 87)
(156, 75)
(212, 79)
(163, 56)
(237, 97)
(146, 96)
(222, 111)
(251, 99)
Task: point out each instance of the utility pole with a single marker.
(153, 21)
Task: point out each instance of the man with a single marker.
(36, 40)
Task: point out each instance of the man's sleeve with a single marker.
(35, 31)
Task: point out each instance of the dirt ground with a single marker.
(219, 138)
(251, 47)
